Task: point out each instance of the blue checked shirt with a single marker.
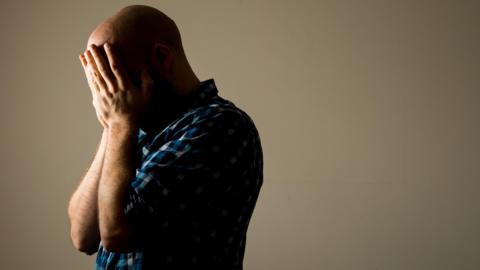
(196, 186)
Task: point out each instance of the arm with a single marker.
(122, 106)
(119, 168)
(82, 208)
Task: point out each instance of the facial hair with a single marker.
(164, 107)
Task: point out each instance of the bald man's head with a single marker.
(146, 25)
(145, 38)
(135, 31)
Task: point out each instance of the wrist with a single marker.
(123, 127)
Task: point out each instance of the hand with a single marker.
(116, 99)
(93, 90)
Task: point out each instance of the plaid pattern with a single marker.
(195, 190)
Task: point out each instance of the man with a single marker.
(178, 169)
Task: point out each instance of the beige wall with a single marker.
(369, 114)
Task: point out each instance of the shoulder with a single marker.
(219, 117)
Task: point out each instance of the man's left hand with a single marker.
(121, 102)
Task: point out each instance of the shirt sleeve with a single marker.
(187, 170)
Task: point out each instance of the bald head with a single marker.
(139, 25)
(134, 31)
(145, 38)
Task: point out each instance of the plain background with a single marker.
(368, 111)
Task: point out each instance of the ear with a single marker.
(162, 60)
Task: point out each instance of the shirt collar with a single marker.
(205, 91)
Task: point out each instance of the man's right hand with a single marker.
(93, 87)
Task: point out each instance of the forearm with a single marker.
(119, 168)
(83, 205)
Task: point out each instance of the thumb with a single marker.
(147, 81)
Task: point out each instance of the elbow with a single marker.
(112, 244)
(117, 245)
(120, 242)
(83, 244)
(87, 250)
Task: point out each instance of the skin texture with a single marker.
(139, 77)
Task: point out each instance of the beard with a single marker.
(164, 107)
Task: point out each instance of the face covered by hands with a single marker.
(116, 99)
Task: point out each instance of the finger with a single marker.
(95, 74)
(103, 68)
(93, 70)
(100, 87)
(93, 87)
(96, 93)
(104, 97)
(116, 67)
(83, 60)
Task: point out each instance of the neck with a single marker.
(165, 109)
(185, 81)
(187, 84)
